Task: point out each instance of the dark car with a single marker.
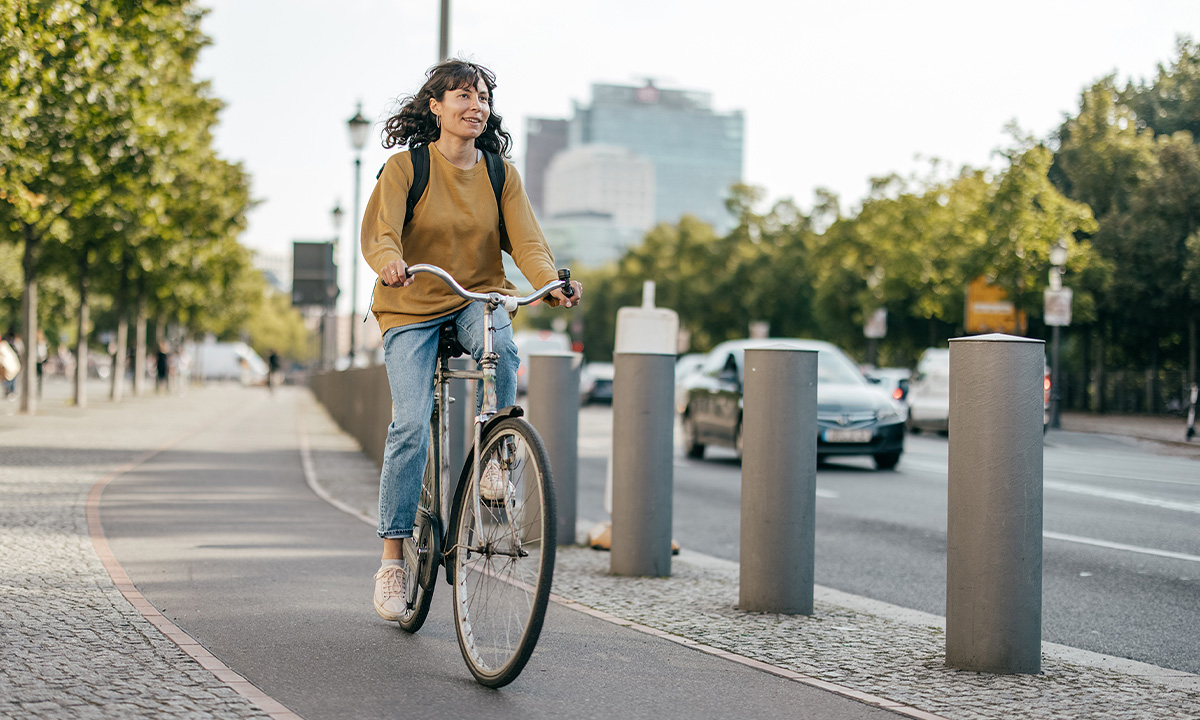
(853, 416)
(597, 383)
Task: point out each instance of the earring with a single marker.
(438, 119)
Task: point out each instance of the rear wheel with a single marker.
(692, 447)
(420, 555)
(503, 555)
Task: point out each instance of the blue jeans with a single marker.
(410, 354)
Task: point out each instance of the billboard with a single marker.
(314, 274)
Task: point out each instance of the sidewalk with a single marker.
(1167, 435)
(71, 646)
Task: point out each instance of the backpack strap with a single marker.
(496, 172)
(420, 163)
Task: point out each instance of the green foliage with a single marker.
(108, 178)
(274, 324)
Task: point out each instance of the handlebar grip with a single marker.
(565, 276)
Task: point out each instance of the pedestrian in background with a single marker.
(162, 367)
(456, 226)
(272, 369)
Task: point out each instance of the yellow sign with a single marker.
(990, 310)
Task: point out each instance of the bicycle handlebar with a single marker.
(510, 302)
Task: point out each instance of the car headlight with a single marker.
(887, 415)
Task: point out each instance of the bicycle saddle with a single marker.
(448, 345)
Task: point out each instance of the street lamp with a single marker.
(329, 325)
(1057, 316)
(358, 138)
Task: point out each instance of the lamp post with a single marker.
(329, 337)
(358, 138)
(1056, 317)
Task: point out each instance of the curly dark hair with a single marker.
(414, 123)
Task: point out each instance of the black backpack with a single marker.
(420, 162)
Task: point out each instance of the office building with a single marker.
(544, 137)
(601, 180)
(696, 152)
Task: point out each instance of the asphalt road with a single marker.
(883, 535)
(223, 536)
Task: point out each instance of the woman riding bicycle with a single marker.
(455, 225)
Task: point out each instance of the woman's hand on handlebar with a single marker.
(395, 274)
(572, 301)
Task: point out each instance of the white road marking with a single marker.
(1121, 496)
(1120, 546)
(1091, 491)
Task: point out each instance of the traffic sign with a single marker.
(1058, 307)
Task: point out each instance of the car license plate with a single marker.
(847, 436)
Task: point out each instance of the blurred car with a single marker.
(929, 392)
(894, 383)
(853, 416)
(598, 379)
(529, 342)
(685, 367)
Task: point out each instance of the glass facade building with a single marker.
(696, 152)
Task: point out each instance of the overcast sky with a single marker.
(833, 93)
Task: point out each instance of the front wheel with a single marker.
(886, 461)
(692, 447)
(503, 554)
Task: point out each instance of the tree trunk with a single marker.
(1098, 374)
(139, 341)
(1192, 351)
(118, 367)
(1152, 382)
(29, 303)
(81, 343)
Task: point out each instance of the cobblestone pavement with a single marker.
(861, 644)
(71, 645)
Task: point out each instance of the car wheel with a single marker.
(912, 427)
(886, 461)
(737, 442)
(692, 447)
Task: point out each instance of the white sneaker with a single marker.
(492, 485)
(389, 592)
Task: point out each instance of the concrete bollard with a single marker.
(554, 410)
(994, 524)
(779, 481)
(461, 422)
(643, 463)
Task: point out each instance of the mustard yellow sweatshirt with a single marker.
(455, 226)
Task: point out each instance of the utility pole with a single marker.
(444, 37)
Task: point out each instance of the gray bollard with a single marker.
(994, 523)
(554, 410)
(461, 418)
(779, 481)
(643, 463)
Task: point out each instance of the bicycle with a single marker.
(498, 553)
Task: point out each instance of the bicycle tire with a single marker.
(500, 596)
(420, 556)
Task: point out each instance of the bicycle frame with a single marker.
(486, 374)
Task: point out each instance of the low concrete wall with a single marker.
(360, 402)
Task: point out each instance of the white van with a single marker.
(227, 361)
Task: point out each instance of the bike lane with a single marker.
(223, 536)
